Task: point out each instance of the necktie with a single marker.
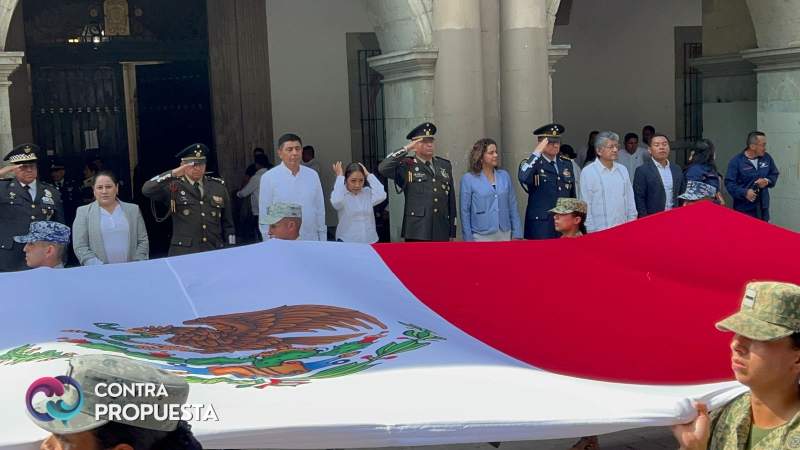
(197, 186)
(28, 189)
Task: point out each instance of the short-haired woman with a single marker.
(355, 194)
(488, 203)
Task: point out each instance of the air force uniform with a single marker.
(201, 212)
(430, 207)
(545, 181)
(22, 204)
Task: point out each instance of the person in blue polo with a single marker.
(749, 177)
(45, 244)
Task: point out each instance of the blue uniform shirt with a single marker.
(741, 176)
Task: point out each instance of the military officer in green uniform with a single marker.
(427, 181)
(765, 356)
(200, 205)
(23, 199)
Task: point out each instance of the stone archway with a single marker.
(9, 62)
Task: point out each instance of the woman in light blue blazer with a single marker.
(109, 231)
(488, 203)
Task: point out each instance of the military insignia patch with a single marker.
(793, 441)
(12, 195)
(444, 174)
(217, 199)
(567, 173)
(47, 193)
(48, 200)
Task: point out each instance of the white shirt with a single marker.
(252, 189)
(33, 189)
(356, 216)
(632, 162)
(279, 185)
(608, 194)
(666, 179)
(116, 234)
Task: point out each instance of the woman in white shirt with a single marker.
(355, 193)
(109, 231)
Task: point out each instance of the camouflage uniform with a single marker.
(769, 311)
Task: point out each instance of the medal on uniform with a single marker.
(217, 199)
(185, 212)
(183, 193)
(47, 193)
(567, 173)
(12, 195)
(444, 174)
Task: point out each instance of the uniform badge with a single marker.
(47, 193)
(48, 201)
(13, 195)
(217, 199)
(444, 174)
(183, 193)
(185, 212)
(416, 169)
(567, 173)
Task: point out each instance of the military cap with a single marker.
(551, 131)
(194, 153)
(56, 164)
(696, 190)
(45, 231)
(23, 154)
(770, 310)
(565, 205)
(278, 211)
(132, 377)
(423, 130)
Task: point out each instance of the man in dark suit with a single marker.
(23, 199)
(427, 181)
(658, 182)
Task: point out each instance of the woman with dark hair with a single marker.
(702, 167)
(588, 153)
(108, 230)
(355, 194)
(570, 217)
(488, 204)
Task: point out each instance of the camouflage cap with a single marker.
(278, 211)
(45, 231)
(569, 205)
(92, 370)
(770, 310)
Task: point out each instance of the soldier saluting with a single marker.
(546, 176)
(200, 205)
(23, 199)
(427, 181)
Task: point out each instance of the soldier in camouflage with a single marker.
(766, 358)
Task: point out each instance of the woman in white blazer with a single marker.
(109, 231)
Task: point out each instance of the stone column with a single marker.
(9, 62)
(555, 54)
(490, 39)
(408, 86)
(525, 79)
(458, 82)
(777, 62)
(778, 73)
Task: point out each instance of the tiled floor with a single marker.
(641, 439)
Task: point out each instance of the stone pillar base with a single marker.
(408, 99)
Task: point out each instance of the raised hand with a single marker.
(181, 170)
(337, 169)
(366, 172)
